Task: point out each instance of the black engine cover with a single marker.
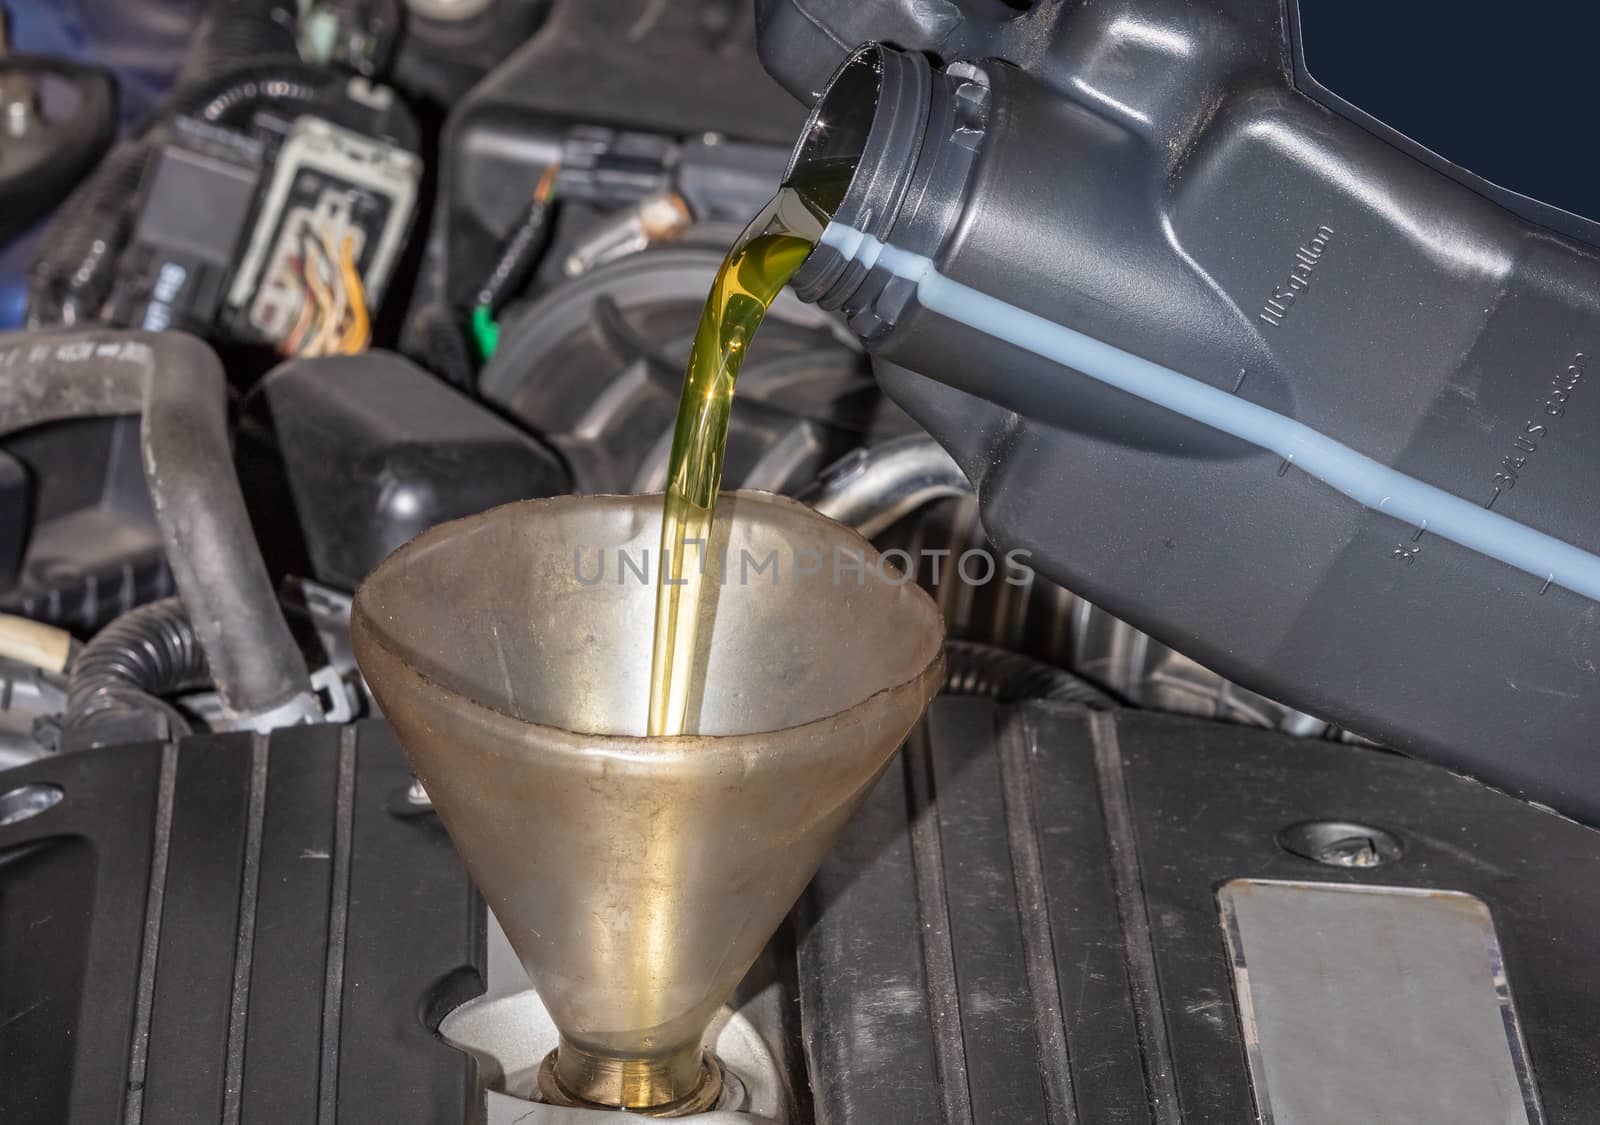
(232, 929)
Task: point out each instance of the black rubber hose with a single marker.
(517, 258)
(120, 677)
(69, 278)
(232, 98)
(236, 33)
(996, 673)
(176, 384)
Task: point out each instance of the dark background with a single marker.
(1506, 90)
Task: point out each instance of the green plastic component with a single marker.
(485, 331)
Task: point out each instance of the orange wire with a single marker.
(359, 334)
(308, 311)
(547, 184)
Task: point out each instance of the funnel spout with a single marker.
(667, 1082)
(638, 878)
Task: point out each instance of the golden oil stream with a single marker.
(762, 261)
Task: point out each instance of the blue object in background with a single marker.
(14, 283)
(142, 42)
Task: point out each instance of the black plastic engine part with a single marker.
(14, 510)
(602, 171)
(677, 69)
(59, 118)
(173, 272)
(1043, 620)
(447, 46)
(232, 929)
(596, 365)
(1022, 923)
(79, 538)
(975, 668)
(624, 96)
(1273, 257)
(436, 338)
(375, 450)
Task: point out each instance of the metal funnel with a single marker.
(638, 878)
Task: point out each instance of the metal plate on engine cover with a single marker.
(1370, 1003)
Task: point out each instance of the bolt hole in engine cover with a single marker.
(1339, 843)
(509, 1033)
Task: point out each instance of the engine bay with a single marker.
(332, 322)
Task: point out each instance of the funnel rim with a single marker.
(364, 626)
(651, 748)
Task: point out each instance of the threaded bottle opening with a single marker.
(836, 134)
(855, 158)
